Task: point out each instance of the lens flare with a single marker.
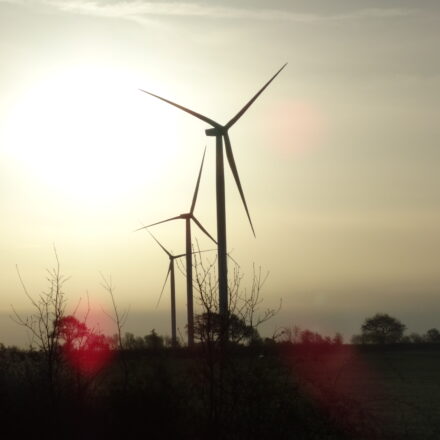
(335, 377)
(84, 350)
(295, 126)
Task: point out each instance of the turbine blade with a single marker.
(243, 110)
(192, 253)
(158, 242)
(206, 250)
(203, 229)
(164, 284)
(233, 259)
(231, 161)
(158, 223)
(187, 110)
(196, 191)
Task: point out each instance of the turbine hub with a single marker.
(215, 131)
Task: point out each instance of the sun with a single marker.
(88, 132)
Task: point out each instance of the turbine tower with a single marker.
(189, 275)
(172, 289)
(221, 132)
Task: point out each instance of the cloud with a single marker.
(137, 10)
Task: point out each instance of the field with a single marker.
(392, 391)
(275, 391)
(401, 388)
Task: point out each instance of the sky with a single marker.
(338, 158)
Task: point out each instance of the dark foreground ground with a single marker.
(270, 392)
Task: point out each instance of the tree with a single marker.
(358, 340)
(219, 372)
(244, 316)
(415, 338)
(73, 332)
(338, 339)
(207, 328)
(85, 350)
(382, 329)
(432, 335)
(132, 342)
(154, 341)
(42, 324)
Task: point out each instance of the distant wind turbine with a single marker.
(189, 275)
(221, 132)
(172, 289)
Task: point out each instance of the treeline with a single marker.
(73, 335)
(382, 329)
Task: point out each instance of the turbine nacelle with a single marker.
(215, 131)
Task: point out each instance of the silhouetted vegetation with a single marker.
(312, 387)
(75, 383)
(383, 329)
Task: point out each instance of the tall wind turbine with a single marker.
(189, 275)
(221, 132)
(172, 289)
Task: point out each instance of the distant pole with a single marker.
(189, 284)
(173, 307)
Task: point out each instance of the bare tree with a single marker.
(218, 369)
(244, 315)
(42, 323)
(119, 320)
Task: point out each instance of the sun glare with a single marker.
(89, 133)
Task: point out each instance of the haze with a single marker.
(338, 158)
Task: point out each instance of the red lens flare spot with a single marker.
(85, 351)
(333, 375)
(294, 127)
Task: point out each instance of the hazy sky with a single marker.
(338, 158)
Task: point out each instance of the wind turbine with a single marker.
(189, 278)
(221, 132)
(172, 289)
